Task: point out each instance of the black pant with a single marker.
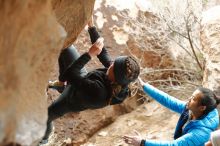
(67, 57)
(65, 103)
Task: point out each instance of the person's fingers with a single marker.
(98, 41)
(128, 140)
(101, 39)
(97, 44)
(125, 139)
(94, 45)
(100, 45)
(137, 133)
(127, 136)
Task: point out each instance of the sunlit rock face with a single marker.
(30, 41)
(210, 38)
(73, 15)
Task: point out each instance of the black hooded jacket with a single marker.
(95, 89)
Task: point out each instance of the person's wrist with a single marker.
(142, 142)
(90, 54)
(91, 27)
(90, 22)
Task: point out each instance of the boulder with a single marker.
(73, 15)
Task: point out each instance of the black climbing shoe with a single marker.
(47, 133)
(56, 85)
(43, 141)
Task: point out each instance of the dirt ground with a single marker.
(151, 120)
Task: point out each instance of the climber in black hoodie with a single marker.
(96, 89)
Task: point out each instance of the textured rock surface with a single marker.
(148, 120)
(30, 41)
(210, 38)
(73, 15)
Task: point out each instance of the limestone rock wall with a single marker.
(210, 38)
(73, 15)
(30, 41)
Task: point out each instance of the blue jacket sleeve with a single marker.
(196, 137)
(164, 99)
